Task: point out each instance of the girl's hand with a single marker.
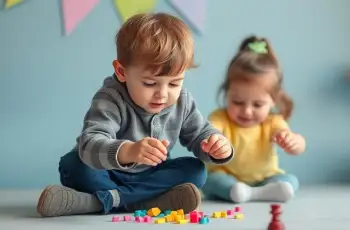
(290, 142)
(218, 146)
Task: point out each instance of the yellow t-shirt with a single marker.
(255, 155)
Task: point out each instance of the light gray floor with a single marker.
(321, 208)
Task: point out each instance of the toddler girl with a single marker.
(253, 89)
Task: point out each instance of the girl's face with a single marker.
(249, 103)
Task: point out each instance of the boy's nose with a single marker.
(162, 93)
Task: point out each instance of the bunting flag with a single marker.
(128, 8)
(192, 11)
(11, 3)
(75, 11)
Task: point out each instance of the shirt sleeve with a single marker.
(218, 120)
(98, 144)
(278, 123)
(195, 129)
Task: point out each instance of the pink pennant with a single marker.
(74, 11)
(193, 11)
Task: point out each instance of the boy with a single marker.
(121, 160)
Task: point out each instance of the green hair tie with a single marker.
(258, 47)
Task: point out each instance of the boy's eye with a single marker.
(149, 83)
(176, 83)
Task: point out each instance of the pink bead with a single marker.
(138, 219)
(127, 218)
(147, 219)
(201, 214)
(194, 217)
(115, 219)
(230, 212)
(238, 209)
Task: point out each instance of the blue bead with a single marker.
(167, 212)
(138, 213)
(204, 220)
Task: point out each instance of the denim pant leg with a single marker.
(77, 175)
(218, 186)
(159, 179)
(289, 178)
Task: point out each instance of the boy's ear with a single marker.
(119, 71)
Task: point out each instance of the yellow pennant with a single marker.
(11, 3)
(128, 8)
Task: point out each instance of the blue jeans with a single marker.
(219, 184)
(132, 187)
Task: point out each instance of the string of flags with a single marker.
(74, 11)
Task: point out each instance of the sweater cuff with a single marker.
(113, 152)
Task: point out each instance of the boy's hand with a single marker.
(218, 146)
(149, 151)
(290, 142)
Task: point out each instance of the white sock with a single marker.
(240, 192)
(116, 197)
(274, 192)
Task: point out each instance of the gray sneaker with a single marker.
(57, 200)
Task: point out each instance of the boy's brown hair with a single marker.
(159, 41)
(256, 56)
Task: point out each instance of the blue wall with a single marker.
(47, 80)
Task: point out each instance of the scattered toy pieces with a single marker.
(147, 219)
(194, 217)
(182, 221)
(169, 218)
(216, 215)
(204, 220)
(115, 219)
(179, 217)
(180, 212)
(230, 212)
(139, 219)
(160, 221)
(238, 209)
(167, 212)
(127, 218)
(153, 212)
(238, 216)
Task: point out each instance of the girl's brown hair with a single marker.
(256, 56)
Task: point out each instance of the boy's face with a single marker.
(152, 93)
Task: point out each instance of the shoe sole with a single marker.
(185, 196)
(44, 206)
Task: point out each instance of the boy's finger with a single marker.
(148, 159)
(211, 141)
(159, 145)
(217, 145)
(157, 154)
(165, 143)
